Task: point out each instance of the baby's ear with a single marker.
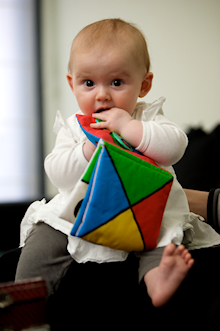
(146, 84)
(70, 81)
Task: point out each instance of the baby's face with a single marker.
(106, 79)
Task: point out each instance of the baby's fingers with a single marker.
(98, 125)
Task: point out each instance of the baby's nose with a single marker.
(103, 94)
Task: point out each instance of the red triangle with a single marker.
(149, 213)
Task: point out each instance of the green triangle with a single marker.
(138, 177)
(86, 177)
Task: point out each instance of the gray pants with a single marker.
(149, 260)
(44, 254)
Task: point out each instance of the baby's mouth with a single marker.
(102, 109)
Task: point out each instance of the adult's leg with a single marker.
(108, 294)
(8, 265)
(100, 296)
(206, 286)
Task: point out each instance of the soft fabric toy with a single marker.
(125, 194)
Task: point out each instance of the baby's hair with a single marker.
(112, 32)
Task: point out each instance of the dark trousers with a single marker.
(110, 293)
(107, 296)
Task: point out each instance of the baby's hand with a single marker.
(119, 121)
(114, 119)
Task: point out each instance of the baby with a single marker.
(109, 68)
(109, 72)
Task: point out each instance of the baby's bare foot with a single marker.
(163, 281)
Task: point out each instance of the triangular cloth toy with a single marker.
(125, 194)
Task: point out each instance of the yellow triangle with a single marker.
(120, 233)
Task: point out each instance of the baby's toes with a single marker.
(180, 250)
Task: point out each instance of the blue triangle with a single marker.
(78, 220)
(89, 135)
(105, 197)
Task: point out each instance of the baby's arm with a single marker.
(66, 163)
(159, 139)
(163, 141)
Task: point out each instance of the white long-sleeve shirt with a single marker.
(163, 141)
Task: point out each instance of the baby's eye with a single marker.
(117, 82)
(89, 83)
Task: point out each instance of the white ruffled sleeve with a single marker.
(66, 163)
